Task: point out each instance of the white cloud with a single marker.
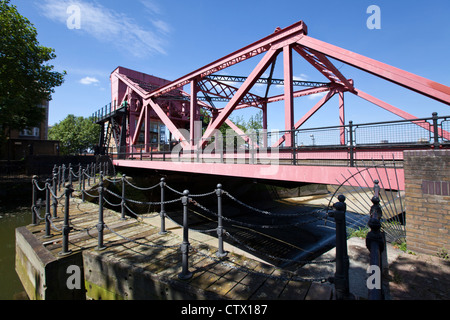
(111, 27)
(89, 80)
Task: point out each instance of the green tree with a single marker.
(26, 78)
(76, 134)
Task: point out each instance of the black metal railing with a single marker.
(94, 174)
(335, 145)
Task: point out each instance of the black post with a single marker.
(162, 213)
(70, 173)
(79, 175)
(47, 210)
(435, 130)
(83, 185)
(34, 220)
(63, 175)
(185, 273)
(55, 194)
(66, 228)
(341, 279)
(375, 244)
(351, 143)
(59, 178)
(221, 253)
(122, 203)
(88, 171)
(100, 225)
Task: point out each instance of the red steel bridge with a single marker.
(145, 107)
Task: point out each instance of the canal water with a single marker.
(15, 202)
(11, 218)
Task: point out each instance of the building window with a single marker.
(33, 132)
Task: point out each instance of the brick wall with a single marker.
(427, 189)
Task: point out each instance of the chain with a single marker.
(196, 230)
(139, 188)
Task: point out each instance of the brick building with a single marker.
(30, 141)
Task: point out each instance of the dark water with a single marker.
(10, 219)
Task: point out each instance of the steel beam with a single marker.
(403, 114)
(342, 117)
(252, 50)
(403, 78)
(288, 95)
(242, 91)
(307, 115)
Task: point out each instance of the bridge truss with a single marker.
(140, 102)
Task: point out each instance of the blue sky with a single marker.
(171, 38)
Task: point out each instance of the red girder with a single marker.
(294, 37)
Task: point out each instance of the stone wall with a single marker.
(427, 188)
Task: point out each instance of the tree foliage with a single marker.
(76, 134)
(26, 78)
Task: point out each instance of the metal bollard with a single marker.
(376, 245)
(185, 273)
(341, 279)
(83, 185)
(221, 253)
(162, 213)
(47, 210)
(79, 176)
(66, 228)
(55, 194)
(122, 203)
(34, 220)
(70, 173)
(63, 175)
(100, 225)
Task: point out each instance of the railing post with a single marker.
(375, 244)
(83, 185)
(435, 130)
(185, 273)
(122, 203)
(47, 210)
(66, 228)
(162, 213)
(63, 175)
(55, 194)
(100, 225)
(220, 253)
(34, 220)
(351, 143)
(70, 173)
(79, 175)
(59, 178)
(341, 279)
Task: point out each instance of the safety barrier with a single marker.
(64, 176)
